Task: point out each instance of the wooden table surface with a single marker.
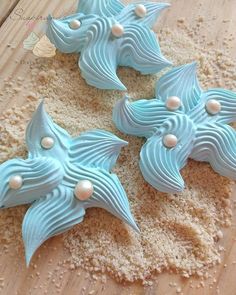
(20, 280)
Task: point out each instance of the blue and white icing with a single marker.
(102, 52)
(202, 132)
(50, 175)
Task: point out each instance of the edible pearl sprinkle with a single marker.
(213, 106)
(140, 10)
(173, 103)
(47, 142)
(75, 24)
(170, 140)
(15, 182)
(117, 30)
(83, 190)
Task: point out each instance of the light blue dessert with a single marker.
(108, 34)
(182, 122)
(62, 177)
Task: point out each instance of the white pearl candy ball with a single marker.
(83, 190)
(173, 103)
(170, 140)
(47, 142)
(75, 24)
(117, 30)
(15, 182)
(141, 10)
(213, 106)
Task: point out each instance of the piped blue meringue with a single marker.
(101, 51)
(56, 164)
(197, 128)
(104, 8)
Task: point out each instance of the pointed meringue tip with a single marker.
(165, 5)
(120, 104)
(178, 187)
(120, 143)
(40, 107)
(137, 230)
(28, 257)
(27, 262)
(165, 62)
(123, 142)
(117, 84)
(126, 97)
(168, 62)
(49, 18)
(192, 65)
(42, 100)
(40, 113)
(121, 87)
(135, 227)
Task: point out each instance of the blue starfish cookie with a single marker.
(182, 122)
(109, 34)
(62, 177)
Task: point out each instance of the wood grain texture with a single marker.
(6, 7)
(17, 278)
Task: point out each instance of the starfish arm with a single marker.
(128, 15)
(96, 148)
(98, 60)
(160, 165)
(137, 48)
(42, 126)
(108, 191)
(39, 175)
(51, 215)
(181, 82)
(140, 50)
(104, 8)
(142, 117)
(227, 100)
(65, 38)
(215, 143)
